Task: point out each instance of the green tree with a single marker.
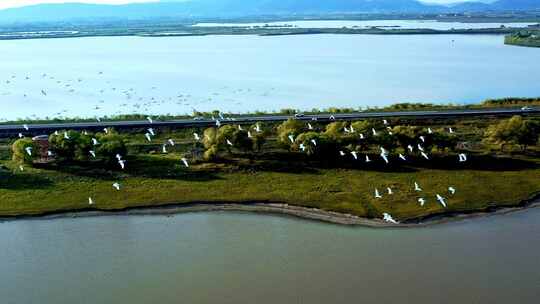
(110, 145)
(290, 127)
(20, 154)
(70, 145)
(514, 131)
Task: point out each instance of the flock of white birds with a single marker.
(384, 154)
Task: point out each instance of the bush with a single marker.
(19, 151)
(77, 147)
(110, 145)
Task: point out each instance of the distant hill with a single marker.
(232, 8)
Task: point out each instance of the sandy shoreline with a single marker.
(285, 210)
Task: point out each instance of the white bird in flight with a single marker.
(342, 153)
(66, 136)
(25, 127)
(171, 142)
(389, 190)
(425, 155)
(116, 186)
(429, 131)
(377, 194)
(411, 149)
(452, 190)
(93, 153)
(420, 147)
(314, 142)
(90, 201)
(148, 137)
(354, 154)
(151, 131)
(387, 217)
(441, 200)
(423, 139)
(122, 164)
(106, 130)
(402, 156)
(451, 130)
(21, 168)
(385, 158)
(417, 187)
(374, 131)
(185, 162)
(95, 142)
(150, 119)
(218, 123)
(422, 201)
(302, 147)
(291, 138)
(229, 143)
(367, 159)
(385, 121)
(361, 136)
(164, 149)
(462, 157)
(28, 150)
(240, 128)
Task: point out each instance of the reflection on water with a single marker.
(246, 258)
(117, 75)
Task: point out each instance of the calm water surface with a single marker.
(115, 75)
(246, 258)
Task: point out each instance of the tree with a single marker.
(74, 146)
(241, 141)
(110, 145)
(290, 127)
(20, 154)
(513, 131)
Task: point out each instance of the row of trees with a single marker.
(218, 140)
(514, 131)
(73, 146)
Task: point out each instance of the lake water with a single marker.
(398, 24)
(247, 258)
(115, 75)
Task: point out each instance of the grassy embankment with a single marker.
(489, 178)
(524, 38)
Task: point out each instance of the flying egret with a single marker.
(90, 201)
(116, 186)
(122, 164)
(361, 136)
(377, 194)
(106, 130)
(429, 131)
(352, 129)
(423, 139)
(95, 142)
(314, 142)
(147, 135)
(28, 150)
(221, 116)
(383, 156)
(164, 149)
(346, 130)
(66, 136)
(150, 119)
(56, 133)
(441, 200)
(240, 128)
(98, 119)
(383, 151)
(257, 128)
(291, 138)
(452, 190)
(462, 157)
(343, 154)
(374, 131)
(425, 155)
(417, 187)
(411, 149)
(385, 121)
(151, 131)
(218, 123)
(402, 156)
(25, 127)
(184, 160)
(229, 143)
(93, 153)
(302, 147)
(387, 217)
(367, 159)
(249, 134)
(21, 168)
(422, 201)
(389, 190)
(49, 153)
(171, 142)
(332, 117)
(118, 156)
(451, 130)
(354, 154)
(420, 147)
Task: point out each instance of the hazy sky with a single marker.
(15, 3)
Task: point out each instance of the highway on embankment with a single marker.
(47, 128)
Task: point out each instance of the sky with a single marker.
(17, 3)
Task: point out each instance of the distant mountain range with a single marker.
(235, 8)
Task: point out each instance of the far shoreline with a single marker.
(282, 209)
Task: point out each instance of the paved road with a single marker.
(35, 129)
